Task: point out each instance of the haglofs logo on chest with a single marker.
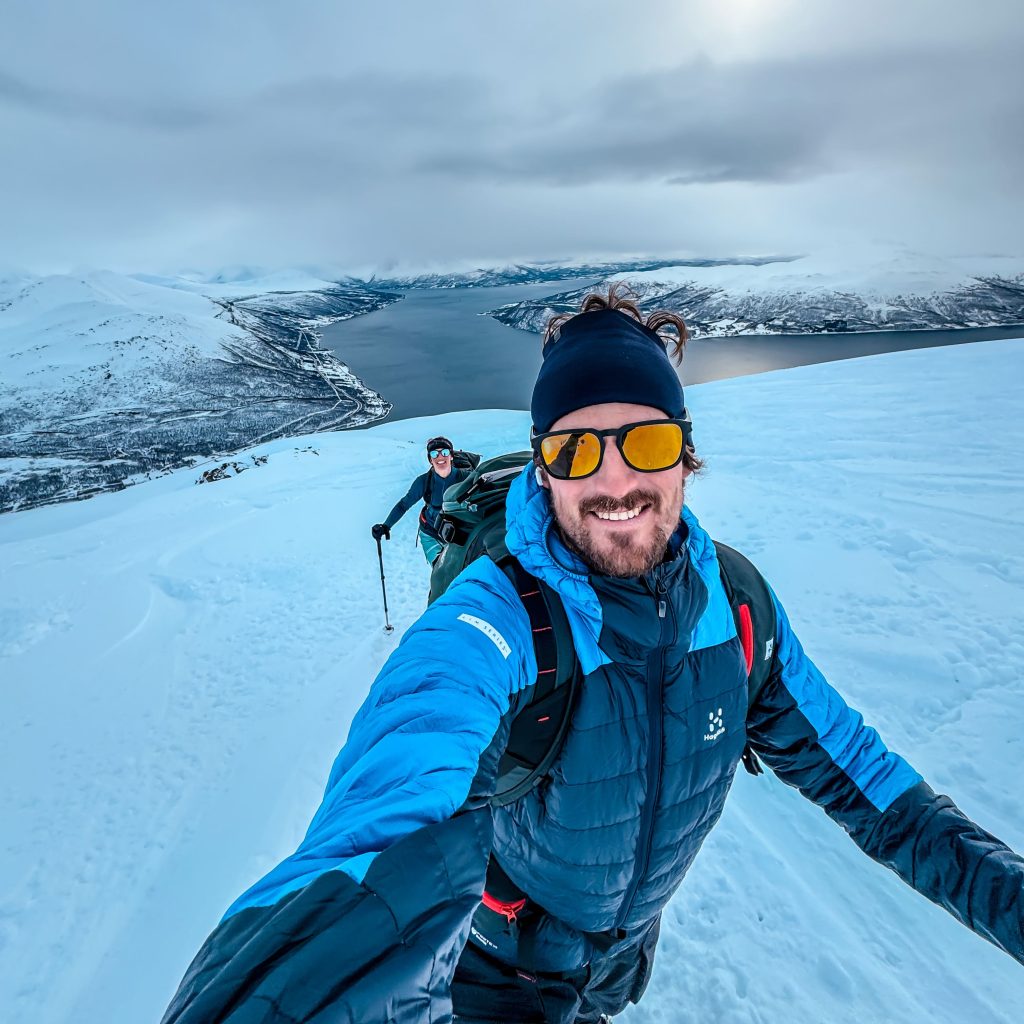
(716, 726)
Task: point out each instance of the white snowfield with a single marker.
(873, 273)
(179, 665)
(241, 282)
(57, 330)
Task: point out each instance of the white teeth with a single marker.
(616, 517)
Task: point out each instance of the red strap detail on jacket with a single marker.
(747, 636)
(508, 909)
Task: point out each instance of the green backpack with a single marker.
(472, 521)
(472, 525)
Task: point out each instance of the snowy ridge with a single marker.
(828, 292)
(108, 378)
(180, 664)
(240, 281)
(553, 270)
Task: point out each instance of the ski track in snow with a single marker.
(179, 664)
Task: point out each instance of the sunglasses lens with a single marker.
(653, 446)
(446, 452)
(571, 455)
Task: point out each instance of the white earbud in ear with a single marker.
(539, 474)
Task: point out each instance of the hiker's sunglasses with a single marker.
(648, 447)
(440, 452)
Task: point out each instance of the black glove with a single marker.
(381, 530)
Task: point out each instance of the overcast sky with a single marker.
(144, 136)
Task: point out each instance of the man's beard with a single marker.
(620, 554)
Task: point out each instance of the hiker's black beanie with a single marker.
(604, 356)
(440, 442)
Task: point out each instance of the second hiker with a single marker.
(429, 487)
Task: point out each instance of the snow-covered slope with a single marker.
(35, 310)
(179, 664)
(106, 377)
(874, 290)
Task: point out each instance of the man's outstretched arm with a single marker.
(813, 740)
(367, 919)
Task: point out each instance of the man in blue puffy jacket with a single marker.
(382, 915)
(429, 488)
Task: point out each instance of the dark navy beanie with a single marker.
(599, 357)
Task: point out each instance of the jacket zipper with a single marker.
(656, 720)
(509, 910)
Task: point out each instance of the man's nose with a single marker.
(615, 473)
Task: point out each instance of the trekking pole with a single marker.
(388, 628)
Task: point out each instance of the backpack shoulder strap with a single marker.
(538, 729)
(754, 612)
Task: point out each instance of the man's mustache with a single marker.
(606, 503)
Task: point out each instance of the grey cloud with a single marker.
(385, 98)
(499, 142)
(64, 104)
(383, 101)
(771, 121)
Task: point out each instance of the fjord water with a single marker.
(436, 351)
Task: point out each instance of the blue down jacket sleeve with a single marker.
(365, 922)
(813, 740)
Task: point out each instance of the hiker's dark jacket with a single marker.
(429, 488)
(367, 920)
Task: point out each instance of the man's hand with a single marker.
(381, 530)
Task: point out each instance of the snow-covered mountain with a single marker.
(179, 665)
(829, 292)
(555, 270)
(107, 377)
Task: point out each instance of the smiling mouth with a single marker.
(622, 516)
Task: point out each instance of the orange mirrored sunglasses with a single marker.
(648, 447)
